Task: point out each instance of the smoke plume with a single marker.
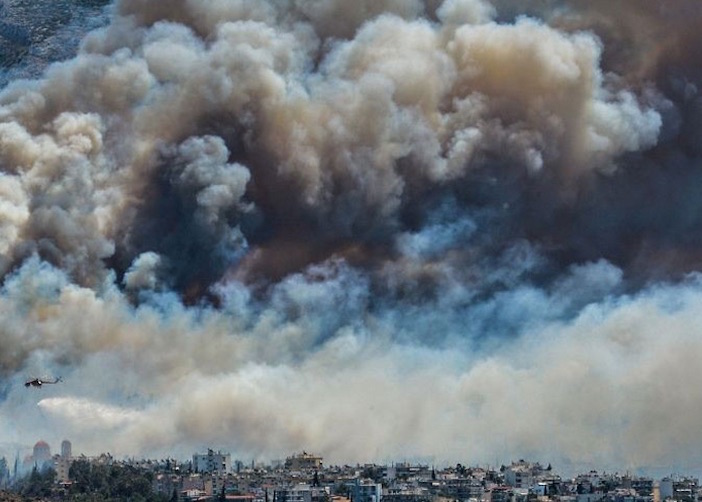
(376, 230)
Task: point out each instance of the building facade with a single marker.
(366, 491)
(212, 462)
(303, 462)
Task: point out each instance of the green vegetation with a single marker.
(94, 482)
(37, 485)
(90, 483)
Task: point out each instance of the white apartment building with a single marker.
(366, 491)
(212, 462)
(302, 493)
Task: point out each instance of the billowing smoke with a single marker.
(374, 230)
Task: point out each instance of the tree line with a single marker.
(92, 483)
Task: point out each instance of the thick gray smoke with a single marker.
(374, 230)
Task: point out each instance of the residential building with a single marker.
(366, 490)
(303, 461)
(212, 462)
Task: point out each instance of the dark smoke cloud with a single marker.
(377, 229)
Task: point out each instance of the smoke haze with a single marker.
(376, 230)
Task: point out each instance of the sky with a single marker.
(382, 230)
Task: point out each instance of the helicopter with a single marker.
(38, 382)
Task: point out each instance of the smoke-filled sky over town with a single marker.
(457, 230)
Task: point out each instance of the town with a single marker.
(302, 477)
